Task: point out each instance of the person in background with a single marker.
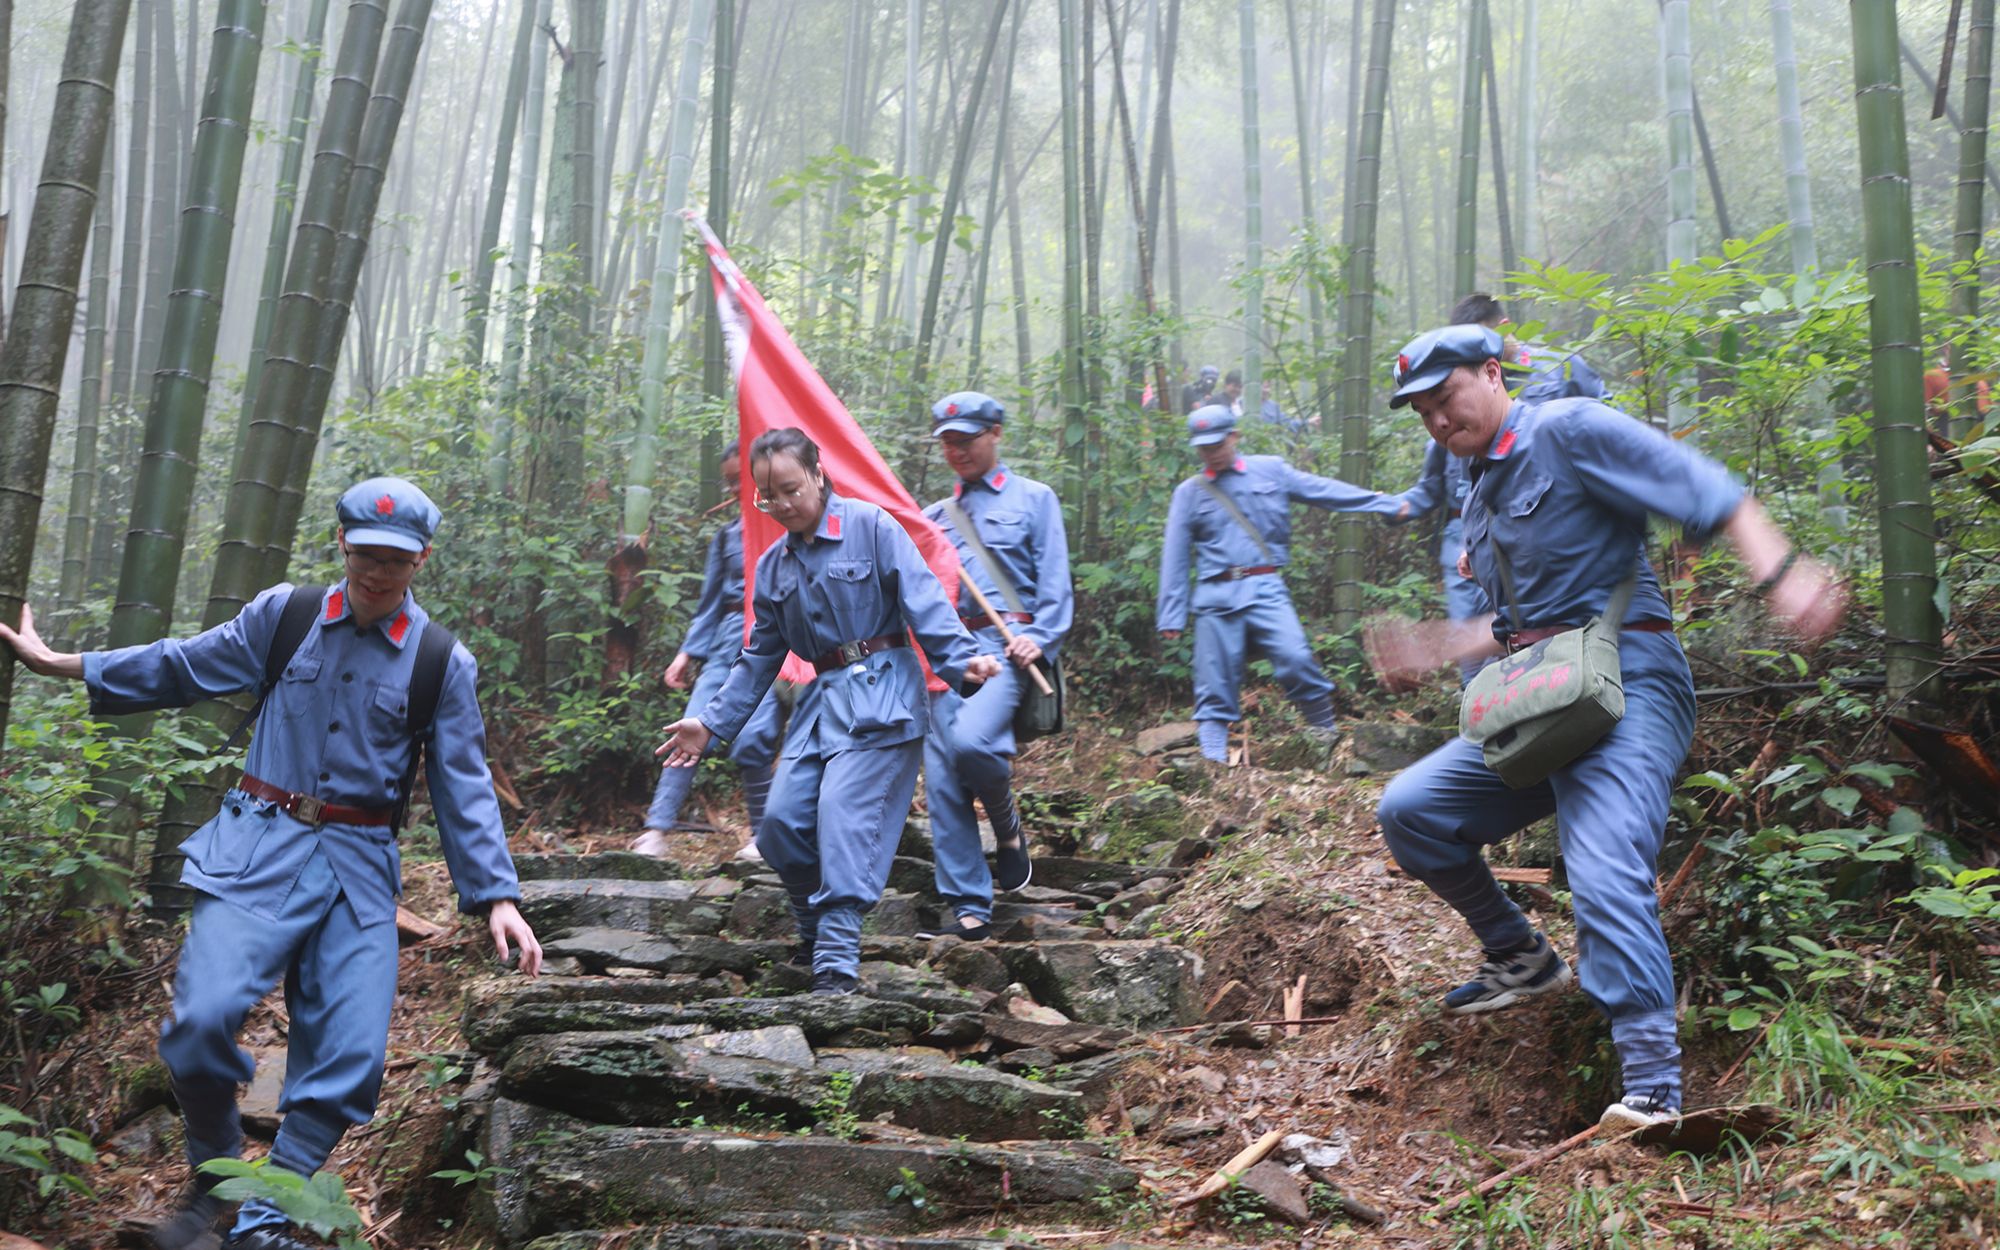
(714, 639)
(1196, 393)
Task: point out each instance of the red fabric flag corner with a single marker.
(776, 386)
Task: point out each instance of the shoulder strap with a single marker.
(426, 686)
(293, 623)
(1222, 496)
(963, 523)
(1614, 610)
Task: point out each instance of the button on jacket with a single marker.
(861, 577)
(1566, 488)
(336, 726)
(1020, 521)
(1201, 534)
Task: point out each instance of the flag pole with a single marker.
(979, 597)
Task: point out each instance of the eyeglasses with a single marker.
(394, 566)
(958, 442)
(787, 495)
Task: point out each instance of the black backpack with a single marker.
(426, 681)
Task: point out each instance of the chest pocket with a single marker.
(1523, 502)
(850, 584)
(297, 686)
(388, 715)
(1003, 529)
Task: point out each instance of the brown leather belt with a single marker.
(1529, 637)
(311, 810)
(1454, 513)
(981, 620)
(1240, 572)
(848, 652)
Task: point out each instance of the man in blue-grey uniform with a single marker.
(298, 873)
(969, 751)
(714, 638)
(1535, 373)
(1562, 491)
(1230, 526)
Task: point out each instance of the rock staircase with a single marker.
(669, 1083)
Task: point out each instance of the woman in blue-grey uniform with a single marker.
(1564, 490)
(714, 638)
(844, 589)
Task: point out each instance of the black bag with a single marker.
(1037, 715)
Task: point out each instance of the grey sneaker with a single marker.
(1507, 977)
(1639, 1111)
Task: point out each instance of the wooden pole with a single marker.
(1041, 682)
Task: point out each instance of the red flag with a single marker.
(775, 387)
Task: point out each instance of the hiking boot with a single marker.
(1509, 976)
(193, 1225)
(831, 982)
(1639, 1111)
(270, 1237)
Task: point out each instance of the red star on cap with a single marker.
(385, 506)
(951, 410)
(1402, 363)
(1201, 423)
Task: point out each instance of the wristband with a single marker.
(1770, 583)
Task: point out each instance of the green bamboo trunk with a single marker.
(1253, 215)
(164, 489)
(714, 365)
(1364, 184)
(989, 229)
(1465, 250)
(78, 516)
(1969, 229)
(163, 197)
(1527, 151)
(1792, 142)
(283, 204)
(1674, 48)
(132, 252)
(37, 347)
(1075, 434)
(666, 275)
(1309, 217)
(520, 256)
(1910, 619)
(481, 299)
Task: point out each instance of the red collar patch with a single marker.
(336, 603)
(999, 480)
(1502, 446)
(832, 526)
(400, 627)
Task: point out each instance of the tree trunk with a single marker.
(520, 257)
(714, 364)
(990, 223)
(1502, 220)
(163, 491)
(132, 254)
(481, 298)
(37, 347)
(1792, 142)
(1680, 170)
(954, 190)
(1145, 243)
(666, 277)
(1951, 114)
(1323, 384)
(1075, 435)
(1527, 153)
(162, 198)
(1465, 252)
(1364, 184)
(77, 518)
(1910, 620)
(1971, 215)
(1253, 216)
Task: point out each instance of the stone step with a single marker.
(671, 906)
(720, 1237)
(559, 1173)
(501, 1011)
(1141, 984)
(661, 1078)
(615, 865)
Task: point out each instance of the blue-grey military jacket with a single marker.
(859, 577)
(1020, 521)
(334, 726)
(1566, 488)
(1203, 536)
(715, 634)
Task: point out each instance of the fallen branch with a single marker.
(1248, 1157)
(1528, 1164)
(1519, 876)
(1241, 1024)
(1295, 1005)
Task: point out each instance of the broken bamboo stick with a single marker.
(1248, 1157)
(1528, 1164)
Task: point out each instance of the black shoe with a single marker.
(269, 1237)
(801, 956)
(831, 982)
(1011, 867)
(963, 932)
(193, 1226)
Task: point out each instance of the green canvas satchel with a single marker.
(1536, 710)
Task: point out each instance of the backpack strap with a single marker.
(426, 686)
(294, 622)
(970, 532)
(1222, 497)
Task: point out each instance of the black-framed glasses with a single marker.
(395, 566)
(956, 441)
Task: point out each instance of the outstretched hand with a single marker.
(506, 923)
(1811, 598)
(35, 654)
(1404, 652)
(687, 739)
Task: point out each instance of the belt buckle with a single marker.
(309, 809)
(1238, 572)
(852, 652)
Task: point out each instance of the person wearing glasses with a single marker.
(297, 875)
(844, 589)
(969, 751)
(1555, 527)
(714, 639)
(1230, 526)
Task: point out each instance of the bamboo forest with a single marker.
(952, 624)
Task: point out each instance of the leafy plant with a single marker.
(318, 1204)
